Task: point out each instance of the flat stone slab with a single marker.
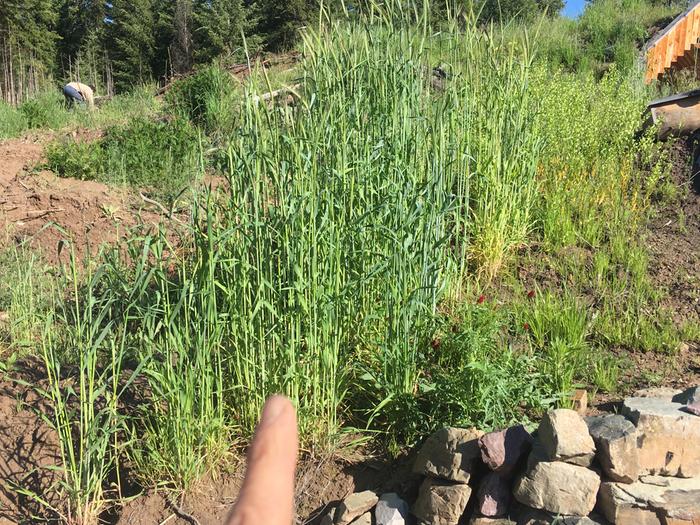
(652, 500)
(354, 506)
(365, 519)
(668, 436)
(660, 392)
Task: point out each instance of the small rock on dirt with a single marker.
(580, 401)
(615, 439)
(365, 519)
(561, 488)
(493, 496)
(564, 436)
(668, 437)
(450, 454)
(501, 451)
(441, 502)
(391, 510)
(652, 500)
(354, 506)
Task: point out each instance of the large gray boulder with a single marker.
(354, 506)
(560, 488)
(450, 454)
(441, 502)
(564, 437)
(615, 439)
(652, 500)
(668, 436)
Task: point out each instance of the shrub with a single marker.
(204, 98)
(161, 156)
(45, 111)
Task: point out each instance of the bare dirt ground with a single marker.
(40, 210)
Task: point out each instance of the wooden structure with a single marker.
(676, 47)
(676, 115)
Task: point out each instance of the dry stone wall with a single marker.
(639, 467)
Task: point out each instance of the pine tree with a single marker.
(81, 48)
(131, 42)
(218, 28)
(280, 21)
(27, 46)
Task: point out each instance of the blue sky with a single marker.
(573, 8)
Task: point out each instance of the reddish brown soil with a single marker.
(674, 242)
(321, 482)
(27, 447)
(40, 210)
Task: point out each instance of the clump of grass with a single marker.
(45, 111)
(26, 295)
(86, 413)
(206, 98)
(12, 121)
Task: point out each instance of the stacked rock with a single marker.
(502, 452)
(558, 478)
(447, 460)
(648, 458)
(365, 508)
(652, 459)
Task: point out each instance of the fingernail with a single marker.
(273, 409)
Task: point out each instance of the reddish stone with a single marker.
(502, 450)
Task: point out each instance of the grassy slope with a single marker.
(389, 255)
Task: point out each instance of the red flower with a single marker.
(526, 326)
(481, 299)
(531, 294)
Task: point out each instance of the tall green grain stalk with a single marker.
(180, 423)
(506, 154)
(354, 209)
(317, 271)
(86, 415)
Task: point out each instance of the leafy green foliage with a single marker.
(159, 156)
(204, 98)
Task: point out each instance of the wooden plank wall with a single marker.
(676, 48)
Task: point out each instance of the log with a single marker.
(676, 115)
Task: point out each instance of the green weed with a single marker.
(163, 156)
